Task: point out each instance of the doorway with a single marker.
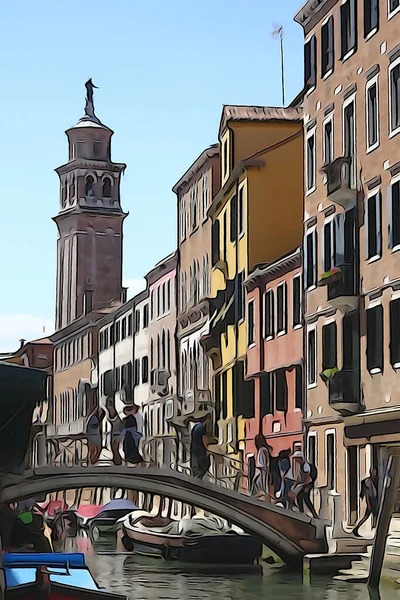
(353, 476)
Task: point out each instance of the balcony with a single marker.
(159, 381)
(74, 428)
(339, 183)
(342, 288)
(345, 392)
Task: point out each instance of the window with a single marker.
(312, 357)
(123, 329)
(348, 28)
(394, 215)
(107, 187)
(312, 449)
(374, 225)
(310, 63)
(267, 387)
(311, 166)
(225, 158)
(327, 47)
(331, 460)
(224, 234)
(394, 6)
(234, 224)
(241, 210)
(328, 141)
(224, 398)
(329, 246)
(371, 16)
(137, 320)
(296, 301)
(158, 300)
(136, 373)
(205, 194)
(329, 346)
(168, 300)
(251, 334)
(375, 339)
(394, 95)
(310, 260)
(145, 316)
(215, 242)
(163, 299)
(206, 276)
(298, 387)
(129, 325)
(394, 333)
(281, 308)
(145, 369)
(89, 186)
(194, 206)
(152, 305)
(372, 107)
(269, 317)
(281, 390)
(349, 139)
(182, 217)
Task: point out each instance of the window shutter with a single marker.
(353, 24)
(315, 257)
(331, 42)
(378, 208)
(313, 60)
(390, 216)
(233, 218)
(366, 227)
(305, 263)
(339, 235)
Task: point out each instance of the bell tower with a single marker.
(89, 221)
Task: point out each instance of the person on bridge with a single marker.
(369, 491)
(131, 435)
(287, 479)
(261, 485)
(116, 430)
(199, 457)
(93, 433)
(305, 478)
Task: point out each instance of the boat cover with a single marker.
(119, 504)
(200, 526)
(36, 559)
(79, 578)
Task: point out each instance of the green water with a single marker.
(142, 578)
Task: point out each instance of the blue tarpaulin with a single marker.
(119, 504)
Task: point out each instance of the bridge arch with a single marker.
(290, 535)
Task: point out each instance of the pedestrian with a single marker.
(287, 478)
(369, 492)
(262, 477)
(94, 434)
(116, 430)
(304, 483)
(199, 457)
(131, 435)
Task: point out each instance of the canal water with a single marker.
(141, 578)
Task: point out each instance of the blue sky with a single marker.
(164, 70)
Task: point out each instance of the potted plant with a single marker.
(329, 276)
(327, 374)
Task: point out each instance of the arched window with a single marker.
(196, 283)
(158, 351)
(168, 351)
(163, 350)
(206, 277)
(71, 191)
(106, 187)
(89, 186)
(183, 292)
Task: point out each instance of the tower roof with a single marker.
(90, 119)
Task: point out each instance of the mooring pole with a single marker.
(387, 506)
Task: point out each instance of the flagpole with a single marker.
(283, 73)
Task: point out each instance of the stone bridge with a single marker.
(290, 535)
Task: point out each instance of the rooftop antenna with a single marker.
(277, 34)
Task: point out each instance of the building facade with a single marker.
(195, 192)
(275, 353)
(257, 216)
(351, 237)
(141, 380)
(159, 444)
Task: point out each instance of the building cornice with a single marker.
(199, 163)
(312, 12)
(267, 272)
(162, 268)
(83, 323)
(85, 164)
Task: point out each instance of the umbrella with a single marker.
(119, 504)
(88, 510)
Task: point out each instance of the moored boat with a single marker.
(108, 519)
(205, 540)
(51, 577)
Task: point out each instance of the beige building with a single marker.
(195, 191)
(351, 241)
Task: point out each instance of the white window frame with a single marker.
(348, 508)
(346, 103)
(253, 343)
(242, 189)
(299, 277)
(312, 384)
(328, 119)
(395, 63)
(283, 331)
(312, 434)
(331, 222)
(371, 83)
(205, 195)
(326, 433)
(310, 134)
(393, 12)
(393, 181)
(352, 50)
(369, 305)
(313, 231)
(271, 293)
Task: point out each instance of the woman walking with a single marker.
(131, 436)
(262, 478)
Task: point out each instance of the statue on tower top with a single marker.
(89, 108)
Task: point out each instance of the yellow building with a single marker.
(257, 216)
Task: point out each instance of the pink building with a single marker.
(275, 353)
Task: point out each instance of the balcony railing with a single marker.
(345, 392)
(342, 288)
(340, 185)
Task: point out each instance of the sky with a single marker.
(164, 71)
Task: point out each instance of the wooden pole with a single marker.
(387, 506)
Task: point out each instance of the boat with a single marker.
(86, 512)
(51, 577)
(108, 518)
(205, 540)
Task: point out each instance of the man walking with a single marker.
(199, 457)
(369, 491)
